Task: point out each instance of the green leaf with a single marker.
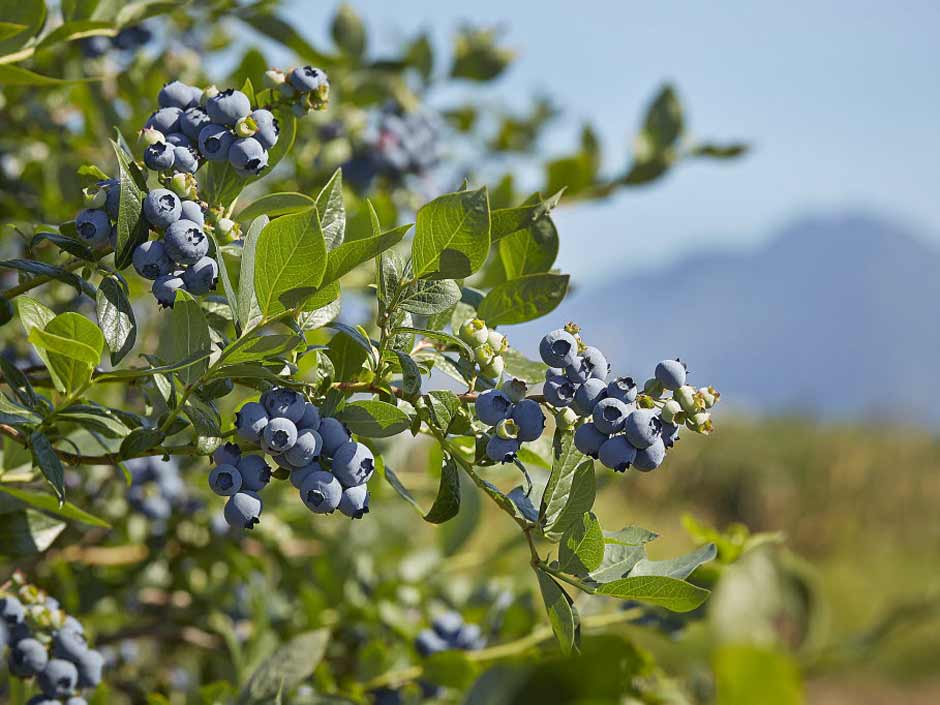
(289, 262)
(18, 382)
(402, 491)
(752, 674)
(31, 14)
(116, 318)
(452, 235)
(426, 297)
(345, 257)
(48, 503)
(447, 503)
(388, 276)
(186, 336)
(622, 550)
(72, 335)
(561, 612)
(275, 204)
(96, 418)
(247, 303)
(291, 664)
(443, 406)
(262, 347)
(45, 458)
(347, 356)
(523, 299)
(332, 211)
(10, 29)
(11, 75)
(69, 244)
(582, 546)
(231, 297)
(14, 414)
(451, 669)
(374, 419)
(348, 31)
(131, 227)
(674, 595)
(679, 568)
(567, 458)
(520, 367)
(410, 373)
(52, 271)
(27, 532)
(35, 315)
(530, 251)
(439, 336)
(137, 372)
(141, 440)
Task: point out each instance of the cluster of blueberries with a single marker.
(157, 490)
(318, 455)
(513, 419)
(623, 427)
(180, 259)
(488, 346)
(49, 645)
(95, 223)
(128, 39)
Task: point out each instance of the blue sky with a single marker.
(840, 99)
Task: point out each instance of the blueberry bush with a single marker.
(293, 283)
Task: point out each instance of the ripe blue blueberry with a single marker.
(587, 396)
(164, 288)
(559, 392)
(558, 349)
(178, 139)
(306, 449)
(225, 480)
(159, 156)
(247, 156)
(353, 464)
(75, 700)
(306, 79)
(470, 638)
(642, 427)
(311, 418)
(113, 201)
(227, 454)
(334, 435)
(27, 658)
(448, 625)
(215, 142)
(185, 159)
(588, 439)
(590, 363)
(501, 450)
(243, 510)
(201, 278)
(93, 226)
(355, 501)
(177, 94)
(321, 492)
(256, 473)
(192, 121)
(670, 434)
(651, 457)
(617, 453)
(298, 475)
(278, 436)
(493, 406)
(190, 210)
(671, 374)
(609, 415)
(529, 417)
(268, 128)
(624, 389)
(185, 242)
(89, 667)
(68, 645)
(250, 421)
(285, 402)
(429, 642)
(227, 107)
(59, 678)
(162, 208)
(165, 120)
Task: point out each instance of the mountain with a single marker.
(835, 316)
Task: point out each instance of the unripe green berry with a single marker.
(498, 342)
(515, 389)
(474, 332)
(209, 92)
(507, 428)
(94, 197)
(246, 127)
(700, 423)
(149, 136)
(483, 354)
(274, 78)
(566, 418)
(685, 395)
(671, 409)
(709, 396)
(494, 368)
(653, 388)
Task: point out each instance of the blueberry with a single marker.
(164, 288)
(201, 278)
(493, 406)
(651, 457)
(132, 37)
(11, 610)
(165, 120)
(59, 678)
(68, 645)
(228, 106)
(278, 436)
(215, 142)
(162, 208)
(250, 421)
(334, 435)
(190, 210)
(588, 439)
(624, 389)
(502, 450)
(27, 658)
(89, 669)
(177, 94)
(243, 510)
(92, 48)
(268, 129)
(355, 501)
(321, 492)
(617, 453)
(311, 417)
(192, 121)
(590, 363)
(93, 226)
(306, 79)
(470, 638)
(670, 434)
(642, 427)
(225, 480)
(284, 402)
(353, 464)
(530, 419)
(609, 415)
(429, 642)
(587, 396)
(185, 242)
(227, 454)
(112, 203)
(559, 393)
(75, 700)
(558, 349)
(47, 699)
(178, 139)
(671, 374)
(247, 156)
(448, 625)
(298, 475)
(159, 156)
(256, 473)
(185, 159)
(306, 449)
